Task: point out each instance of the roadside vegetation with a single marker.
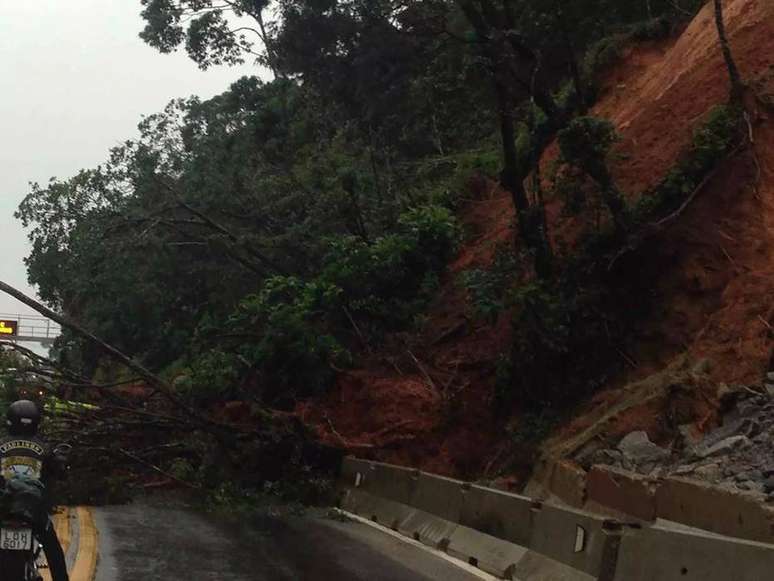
(249, 247)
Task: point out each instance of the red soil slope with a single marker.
(426, 401)
(718, 268)
(717, 261)
(716, 283)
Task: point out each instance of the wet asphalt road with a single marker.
(156, 542)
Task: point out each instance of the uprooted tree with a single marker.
(158, 428)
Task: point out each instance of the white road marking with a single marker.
(440, 554)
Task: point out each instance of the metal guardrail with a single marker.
(32, 328)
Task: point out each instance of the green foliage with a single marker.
(204, 27)
(711, 143)
(384, 283)
(285, 337)
(652, 29)
(291, 336)
(563, 332)
(585, 145)
(603, 54)
(182, 469)
(713, 139)
(587, 141)
(605, 51)
(533, 427)
(488, 289)
(433, 232)
(566, 329)
(445, 180)
(252, 243)
(572, 187)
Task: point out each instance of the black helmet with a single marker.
(23, 418)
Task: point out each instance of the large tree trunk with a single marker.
(531, 226)
(152, 379)
(268, 43)
(611, 195)
(511, 175)
(572, 59)
(737, 87)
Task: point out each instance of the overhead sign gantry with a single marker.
(28, 328)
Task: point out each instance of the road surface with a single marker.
(157, 542)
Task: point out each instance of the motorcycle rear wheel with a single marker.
(13, 565)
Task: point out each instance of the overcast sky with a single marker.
(76, 79)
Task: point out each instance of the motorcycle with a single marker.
(20, 549)
(20, 552)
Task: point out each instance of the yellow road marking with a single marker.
(62, 528)
(86, 560)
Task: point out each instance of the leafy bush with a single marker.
(602, 55)
(385, 283)
(292, 348)
(213, 375)
(587, 141)
(441, 181)
(653, 29)
(585, 145)
(287, 340)
(561, 344)
(488, 288)
(434, 232)
(711, 144)
(534, 427)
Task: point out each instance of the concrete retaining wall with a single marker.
(490, 553)
(622, 492)
(672, 555)
(720, 511)
(502, 515)
(515, 537)
(690, 502)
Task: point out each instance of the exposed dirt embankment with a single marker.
(718, 267)
(714, 283)
(426, 400)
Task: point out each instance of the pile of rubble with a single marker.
(737, 455)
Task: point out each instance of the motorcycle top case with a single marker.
(24, 498)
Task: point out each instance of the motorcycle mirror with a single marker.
(63, 449)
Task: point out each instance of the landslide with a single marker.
(426, 399)
(713, 269)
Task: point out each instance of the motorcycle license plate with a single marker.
(15, 539)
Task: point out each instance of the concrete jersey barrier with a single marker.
(515, 537)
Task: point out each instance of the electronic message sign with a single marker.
(8, 328)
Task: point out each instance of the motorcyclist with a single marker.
(24, 453)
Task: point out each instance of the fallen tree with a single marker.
(157, 434)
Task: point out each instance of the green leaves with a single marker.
(163, 30)
(587, 141)
(210, 30)
(210, 41)
(292, 335)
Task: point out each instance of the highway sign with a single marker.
(8, 328)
